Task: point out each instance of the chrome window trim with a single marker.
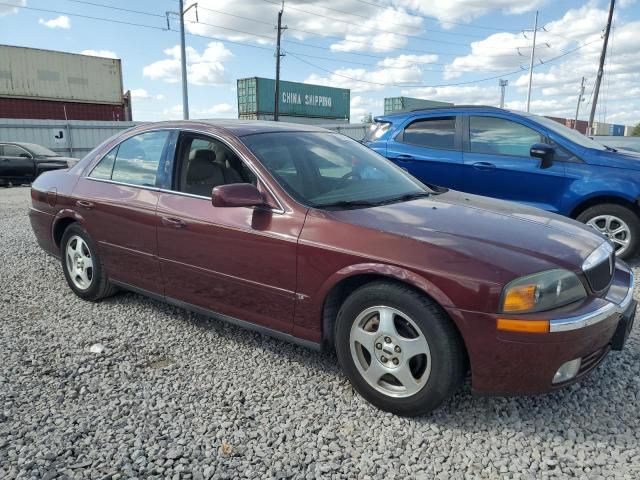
(597, 316)
(115, 182)
(208, 199)
(281, 209)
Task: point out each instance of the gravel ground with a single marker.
(174, 395)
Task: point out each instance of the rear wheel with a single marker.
(398, 348)
(81, 264)
(617, 223)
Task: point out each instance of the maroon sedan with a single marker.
(309, 236)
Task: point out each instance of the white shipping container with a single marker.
(50, 75)
(601, 128)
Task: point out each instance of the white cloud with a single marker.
(140, 93)
(361, 106)
(59, 22)
(202, 69)
(369, 28)
(8, 7)
(467, 10)
(100, 53)
(406, 61)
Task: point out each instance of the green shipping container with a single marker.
(256, 97)
(407, 104)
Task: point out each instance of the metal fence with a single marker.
(75, 138)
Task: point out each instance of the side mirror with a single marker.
(237, 195)
(544, 152)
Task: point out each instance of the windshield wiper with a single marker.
(348, 204)
(611, 149)
(405, 198)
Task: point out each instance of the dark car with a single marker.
(520, 157)
(22, 162)
(308, 235)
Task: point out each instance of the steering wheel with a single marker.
(346, 177)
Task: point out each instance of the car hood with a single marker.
(618, 159)
(490, 225)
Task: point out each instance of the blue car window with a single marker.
(498, 136)
(439, 133)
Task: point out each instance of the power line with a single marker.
(440, 85)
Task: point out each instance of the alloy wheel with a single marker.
(615, 229)
(390, 351)
(79, 262)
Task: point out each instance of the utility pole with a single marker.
(503, 84)
(580, 99)
(603, 55)
(183, 56)
(533, 52)
(276, 106)
(183, 53)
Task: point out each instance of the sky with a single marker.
(447, 50)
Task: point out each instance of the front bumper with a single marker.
(525, 363)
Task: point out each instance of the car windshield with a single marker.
(40, 151)
(329, 170)
(570, 134)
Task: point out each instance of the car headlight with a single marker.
(542, 291)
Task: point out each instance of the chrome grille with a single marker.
(600, 275)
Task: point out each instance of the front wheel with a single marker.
(398, 348)
(617, 223)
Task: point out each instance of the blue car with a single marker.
(519, 157)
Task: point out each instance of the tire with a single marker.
(82, 266)
(413, 334)
(609, 218)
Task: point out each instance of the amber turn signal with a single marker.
(523, 326)
(521, 298)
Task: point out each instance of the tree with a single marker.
(636, 131)
(368, 118)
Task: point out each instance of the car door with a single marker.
(118, 200)
(239, 262)
(430, 149)
(497, 163)
(16, 163)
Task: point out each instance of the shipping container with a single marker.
(600, 128)
(256, 98)
(407, 104)
(628, 130)
(616, 130)
(50, 75)
(580, 125)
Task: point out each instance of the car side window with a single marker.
(204, 163)
(498, 136)
(135, 161)
(104, 168)
(15, 151)
(561, 154)
(438, 133)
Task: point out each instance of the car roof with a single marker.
(452, 108)
(244, 127)
(25, 145)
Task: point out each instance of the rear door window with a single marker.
(135, 161)
(438, 133)
(15, 151)
(497, 136)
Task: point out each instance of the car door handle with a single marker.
(484, 166)
(84, 204)
(173, 222)
(405, 158)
